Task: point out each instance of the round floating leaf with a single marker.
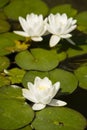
(24, 7)
(3, 2)
(4, 26)
(4, 63)
(81, 74)
(4, 81)
(12, 36)
(30, 76)
(7, 43)
(59, 118)
(37, 59)
(65, 8)
(67, 80)
(14, 112)
(82, 24)
(16, 75)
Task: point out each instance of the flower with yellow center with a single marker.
(41, 93)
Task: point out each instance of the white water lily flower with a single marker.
(60, 26)
(33, 27)
(41, 93)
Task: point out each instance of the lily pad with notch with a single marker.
(37, 59)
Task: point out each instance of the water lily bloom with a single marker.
(41, 93)
(33, 27)
(60, 26)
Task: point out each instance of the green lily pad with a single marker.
(15, 75)
(9, 92)
(4, 63)
(37, 59)
(26, 128)
(14, 112)
(4, 81)
(77, 52)
(3, 2)
(65, 8)
(4, 26)
(82, 24)
(81, 74)
(59, 118)
(62, 56)
(68, 81)
(2, 15)
(24, 7)
(7, 43)
(30, 76)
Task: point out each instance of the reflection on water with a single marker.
(78, 4)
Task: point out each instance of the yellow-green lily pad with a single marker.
(4, 63)
(26, 128)
(24, 7)
(54, 118)
(15, 75)
(4, 81)
(8, 43)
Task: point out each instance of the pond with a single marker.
(43, 65)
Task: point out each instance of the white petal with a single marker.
(55, 102)
(66, 36)
(23, 23)
(38, 106)
(54, 40)
(56, 87)
(37, 38)
(21, 33)
(70, 29)
(28, 95)
(46, 99)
